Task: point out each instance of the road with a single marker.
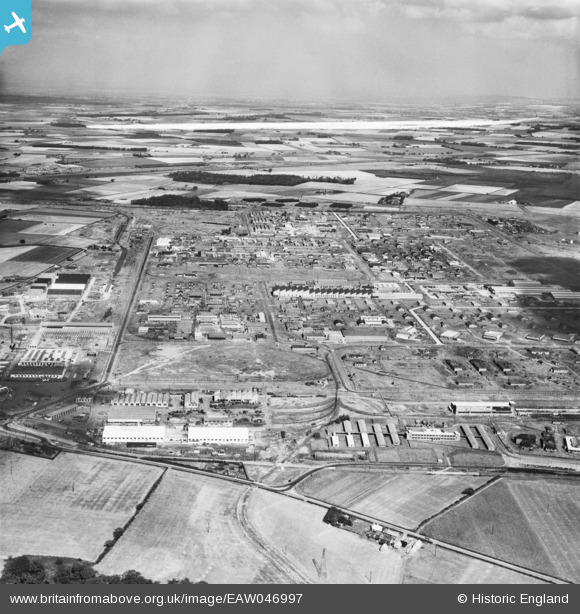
(288, 565)
(425, 326)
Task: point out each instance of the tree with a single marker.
(23, 570)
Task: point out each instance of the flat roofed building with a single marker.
(121, 433)
(215, 419)
(48, 373)
(431, 434)
(481, 407)
(163, 317)
(132, 415)
(218, 435)
(572, 444)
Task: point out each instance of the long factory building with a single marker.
(156, 434)
(479, 408)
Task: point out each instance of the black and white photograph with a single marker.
(290, 293)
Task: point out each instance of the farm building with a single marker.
(132, 415)
(219, 435)
(121, 433)
(481, 407)
(431, 434)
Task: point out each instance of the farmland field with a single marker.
(69, 506)
(190, 528)
(295, 530)
(530, 523)
(440, 566)
(51, 254)
(405, 500)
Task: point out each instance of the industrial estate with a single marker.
(291, 345)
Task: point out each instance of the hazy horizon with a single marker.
(303, 50)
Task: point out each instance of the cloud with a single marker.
(362, 49)
(545, 19)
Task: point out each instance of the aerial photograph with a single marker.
(290, 292)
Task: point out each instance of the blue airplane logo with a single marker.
(17, 23)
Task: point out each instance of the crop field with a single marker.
(10, 226)
(50, 254)
(190, 528)
(530, 523)
(242, 362)
(69, 506)
(294, 530)
(405, 500)
(10, 253)
(440, 566)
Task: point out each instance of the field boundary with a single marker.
(138, 507)
(457, 503)
(276, 557)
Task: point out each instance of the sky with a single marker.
(321, 50)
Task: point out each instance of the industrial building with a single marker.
(121, 433)
(312, 292)
(393, 434)
(250, 397)
(144, 399)
(132, 415)
(431, 434)
(478, 408)
(46, 358)
(43, 373)
(572, 444)
(67, 285)
(219, 420)
(55, 414)
(218, 435)
(163, 318)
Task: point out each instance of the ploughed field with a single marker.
(405, 500)
(68, 506)
(531, 523)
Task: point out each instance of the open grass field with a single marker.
(531, 523)
(219, 362)
(403, 499)
(190, 528)
(69, 506)
(294, 530)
